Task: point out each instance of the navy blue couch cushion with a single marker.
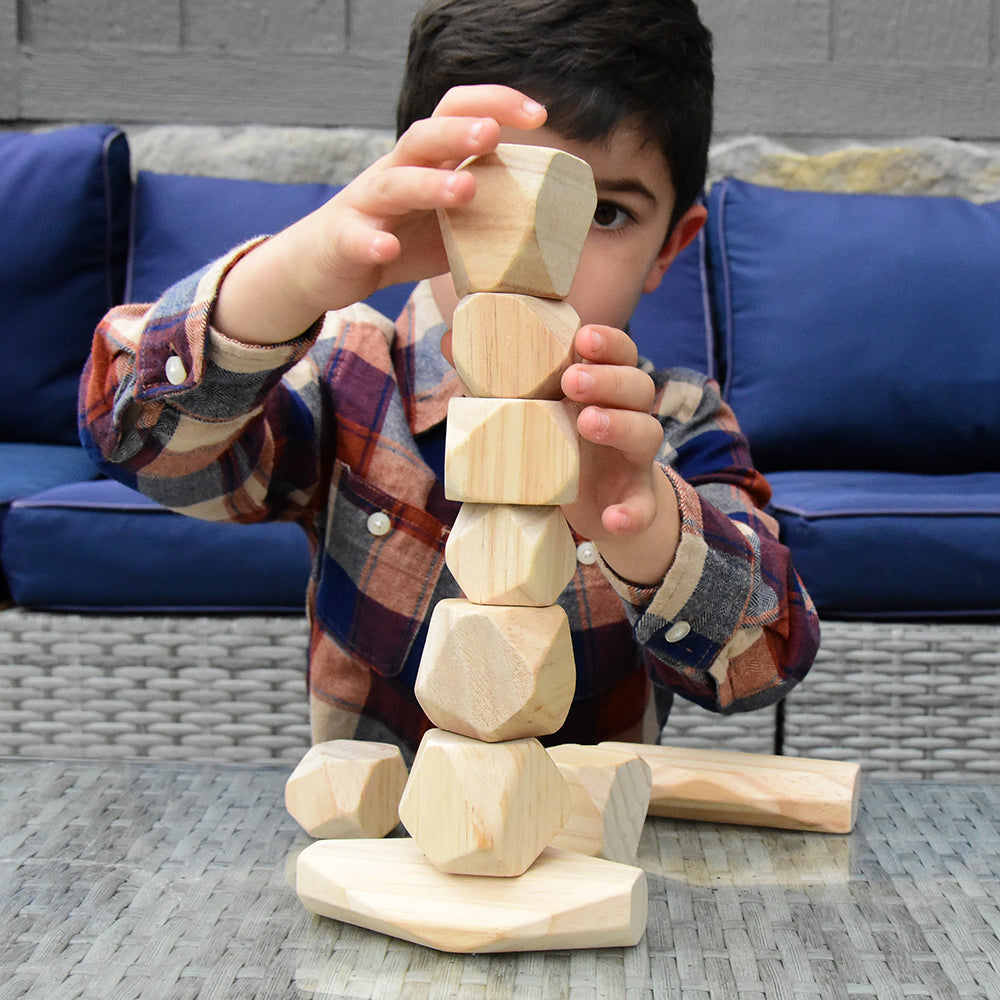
(63, 243)
(101, 545)
(182, 223)
(672, 326)
(859, 331)
(893, 545)
(28, 468)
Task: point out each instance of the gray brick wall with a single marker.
(786, 68)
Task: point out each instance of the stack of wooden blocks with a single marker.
(483, 797)
(514, 847)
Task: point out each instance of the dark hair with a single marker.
(593, 63)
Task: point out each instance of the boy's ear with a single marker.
(687, 228)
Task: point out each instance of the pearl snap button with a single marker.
(677, 631)
(378, 523)
(174, 370)
(586, 552)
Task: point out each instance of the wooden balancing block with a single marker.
(564, 900)
(724, 786)
(483, 798)
(511, 451)
(491, 362)
(524, 229)
(479, 808)
(347, 788)
(609, 798)
(496, 673)
(511, 554)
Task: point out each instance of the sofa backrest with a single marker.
(859, 331)
(180, 223)
(65, 198)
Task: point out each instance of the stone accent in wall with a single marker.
(929, 166)
(257, 152)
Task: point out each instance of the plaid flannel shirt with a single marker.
(346, 422)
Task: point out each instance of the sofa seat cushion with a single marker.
(102, 546)
(859, 331)
(30, 468)
(893, 545)
(63, 243)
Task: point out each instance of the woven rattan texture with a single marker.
(919, 699)
(913, 699)
(136, 880)
(178, 687)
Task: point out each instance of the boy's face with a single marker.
(627, 250)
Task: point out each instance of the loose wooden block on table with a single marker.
(510, 554)
(496, 673)
(483, 808)
(516, 451)
(347, 788)
(565, 900)
(525, 227)
(514, 346)
(721, 786)
(609, 797)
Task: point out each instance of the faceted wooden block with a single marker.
(347, 788)
(564, 900)
(523, 451)
(510, 554)
(483, 808)
(609, 794)
(515, 346)
(496, 673)
(524, 229)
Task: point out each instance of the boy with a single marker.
(258, 390)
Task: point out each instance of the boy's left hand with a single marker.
(625, 505)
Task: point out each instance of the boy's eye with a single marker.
(608, 215)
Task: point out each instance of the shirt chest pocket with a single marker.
(382, 571)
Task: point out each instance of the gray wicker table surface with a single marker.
(127, 880)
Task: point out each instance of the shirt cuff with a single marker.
(682, 577)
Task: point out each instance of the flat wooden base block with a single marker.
(565, 900)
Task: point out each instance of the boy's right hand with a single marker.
(381, 229)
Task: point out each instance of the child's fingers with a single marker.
(636, 435)
(610, 385)
(360, 244)
(399, 190)
(632, 515)
(505, 105)
(605, 345)
(444, 142)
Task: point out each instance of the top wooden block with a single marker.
(524, 229)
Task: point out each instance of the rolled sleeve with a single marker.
(730, 626)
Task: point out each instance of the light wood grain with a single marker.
(496, 673)
(523, 451)
(524, 229)
(609, 796)
(565, 900)
(514, 346)
(483, 808)
(347, 788)
(720, 786)
(511, 554)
